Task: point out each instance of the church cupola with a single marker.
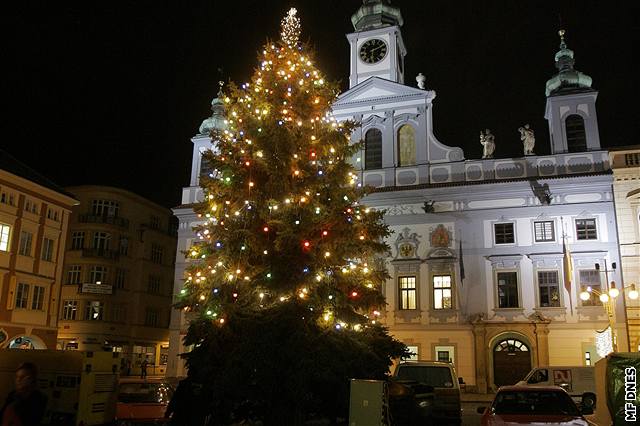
(203, 140)
(377, 49)
(571, 106)
(568, 78)
(376, 14)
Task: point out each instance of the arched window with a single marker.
(373, 149)
(406, 146)
(576, 135)
(511, 345)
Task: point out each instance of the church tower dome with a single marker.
(568, 78)
(216, 121)
(375, 14)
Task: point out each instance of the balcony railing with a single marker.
(111, 220)
(100, 252)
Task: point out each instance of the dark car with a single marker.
(549, 405)
(142, 401)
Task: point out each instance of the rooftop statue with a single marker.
(528, 139)
(488, 143)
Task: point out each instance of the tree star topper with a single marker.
(290, 28)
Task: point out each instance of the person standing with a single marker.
(25, 406)
(143, 368)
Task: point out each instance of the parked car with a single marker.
(142, 401)
(579, 382)
(539, 405)
(435, 388)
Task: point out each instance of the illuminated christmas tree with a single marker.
(284, 284)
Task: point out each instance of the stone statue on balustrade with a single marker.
(528, 139)
(488, 143)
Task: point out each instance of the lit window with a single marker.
(407, 292)
(415, 353)
(5, 231)
(442, 298)
(544, 231)
(504, 233)
(586, 229)
(587, 358)
(94, 310)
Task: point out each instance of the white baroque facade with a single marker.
(500, 219)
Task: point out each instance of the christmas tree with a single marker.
(284, 287)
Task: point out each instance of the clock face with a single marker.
(373, 50)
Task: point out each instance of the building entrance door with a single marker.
(511, 362)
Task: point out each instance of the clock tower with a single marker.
(377, 48)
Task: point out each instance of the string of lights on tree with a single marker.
(281, 218)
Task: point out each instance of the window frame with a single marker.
(593, 300)
(5, 236)
(77, 240)
(69, 309)
(517, 288)
(495, 233)
(37, 297)
(539, 286)
(98, 270)
(409, 292)
(543, 231)
(26, 244)
(435, 290)
(22, 299)
(586, 231)
(48, 249)
(368, 159)
(74, 271)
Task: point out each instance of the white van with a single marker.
(579, 382)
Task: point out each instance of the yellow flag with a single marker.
(567, 263)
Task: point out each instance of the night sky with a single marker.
(111, 92)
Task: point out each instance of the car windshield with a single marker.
(438, 377)
(534, 402)
(144, 393)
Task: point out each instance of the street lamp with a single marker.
(608, 299)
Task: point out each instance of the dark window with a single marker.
(544, 231)
(548, 288)
(121, 277)
(151, 317)
(507, 290)
(22, 295)
(504, 233)
(407, 292)
(586, 229)
(37, 302)
(26, 239)
(47, 249)
(153, 285)
(632, 159)
(77, 240)
(74, 274)
(156, 253)
(576, 135)
(373, 149)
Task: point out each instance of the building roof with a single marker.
(14, 166)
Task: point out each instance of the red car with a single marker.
(142, 401)
(520, 405)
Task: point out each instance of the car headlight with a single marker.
(424, 404)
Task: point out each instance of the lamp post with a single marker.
(608, 299)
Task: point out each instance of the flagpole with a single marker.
(567, 266)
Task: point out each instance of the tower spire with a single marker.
(568, 78)
(376, 14)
